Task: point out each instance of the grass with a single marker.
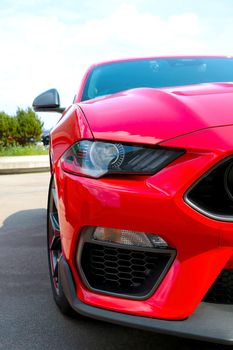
(28, 150)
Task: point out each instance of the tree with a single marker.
(29, 126)
(23, 128)
(8, 127)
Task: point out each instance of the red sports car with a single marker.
(140, 208)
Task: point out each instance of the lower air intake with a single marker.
(221, 291)
(122, 271)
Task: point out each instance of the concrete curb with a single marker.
(24, 164)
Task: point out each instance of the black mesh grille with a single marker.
(122, 271)
(221, 291)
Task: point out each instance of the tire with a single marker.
(54, 252)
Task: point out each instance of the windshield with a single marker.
(114, 77)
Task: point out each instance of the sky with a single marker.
(47, 43)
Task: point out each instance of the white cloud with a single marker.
(141, 31)
(43, 51)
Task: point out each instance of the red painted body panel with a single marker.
(196, 118)
(152, 115)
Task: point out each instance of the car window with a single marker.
(114, 77)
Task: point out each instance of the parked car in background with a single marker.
(140, 209)
(45, 137)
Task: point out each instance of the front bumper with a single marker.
(210, 322)
(148, 204)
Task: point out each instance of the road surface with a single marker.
(29, 319)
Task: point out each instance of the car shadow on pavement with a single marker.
(33, 220)
(29, 318)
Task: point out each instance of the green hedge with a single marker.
(23, 128)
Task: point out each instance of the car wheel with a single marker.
(55, 251)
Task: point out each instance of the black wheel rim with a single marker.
(54, 239)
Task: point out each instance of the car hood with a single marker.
(147, 115)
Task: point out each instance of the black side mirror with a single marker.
(48, 101)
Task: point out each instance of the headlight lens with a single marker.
(97, 158)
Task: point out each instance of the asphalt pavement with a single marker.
(29, 319)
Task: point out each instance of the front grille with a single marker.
(122, 271)
(210, 194)
(221, 291)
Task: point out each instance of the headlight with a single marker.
(97, 158)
